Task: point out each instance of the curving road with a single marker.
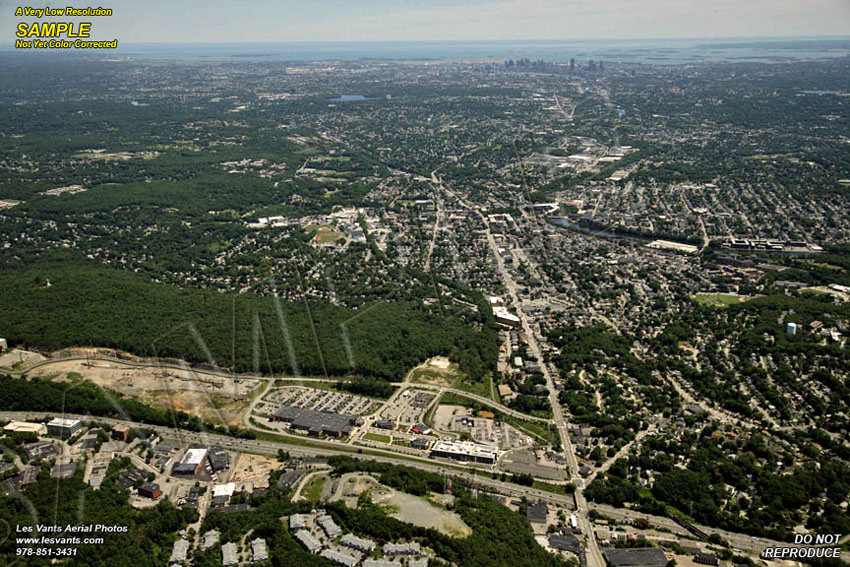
(224, 374)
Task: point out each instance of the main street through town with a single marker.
(594, 555)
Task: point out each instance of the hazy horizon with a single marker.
(295, 21)
(760, 38)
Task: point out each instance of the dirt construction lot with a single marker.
(216, 398)
(249, 468)
(405, 507)
(438, 371)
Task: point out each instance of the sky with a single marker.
(174, 21)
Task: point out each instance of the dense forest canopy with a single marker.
(73, 304)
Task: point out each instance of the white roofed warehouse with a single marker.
(191, 461)
(25, 427)
(466, 452)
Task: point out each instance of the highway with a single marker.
(740, 541)
(271, 448)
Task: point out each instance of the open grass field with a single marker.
(377, 437)
(313, 490)
(719, 299)
(109, 156)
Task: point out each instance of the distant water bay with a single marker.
(651, 52)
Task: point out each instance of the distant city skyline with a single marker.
(159, 21)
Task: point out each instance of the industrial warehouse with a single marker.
(191, 461)
(316, 423)
(467, 452)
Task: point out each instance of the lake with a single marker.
(351, 98)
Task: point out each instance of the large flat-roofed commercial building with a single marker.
(636, 557)
(63, 426)
(385, 424)
(316, 423)
(467, 452)
(219, 459)
(537, 512)
(191, 461)
(150, 490)
(224, 490)
(564, 542)
(675, 246)
(505, 317)
(290, 478)
(40, 450)
(25, 427)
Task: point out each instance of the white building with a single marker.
(191, 461)
(465, 451)
(224, 490)
(63, 426)
(505, 317)
(25, 427)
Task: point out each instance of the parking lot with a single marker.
(459, 419)
(315, 399)
(409, 408)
